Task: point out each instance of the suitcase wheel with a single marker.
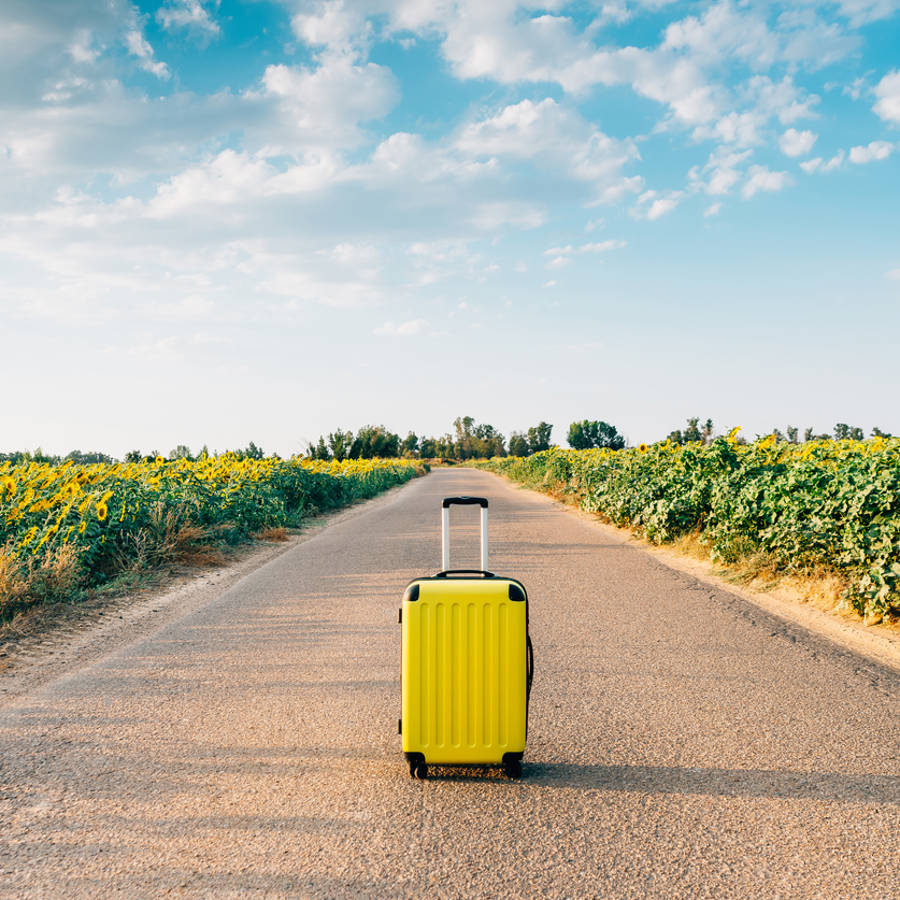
(417, 766)
(512, 766)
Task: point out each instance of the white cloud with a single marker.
(720, 173)
(337, 25)
(491, 216)
(819, 165)
(139, 47)
(81, 48)
(601, 246)
(402, 329)
(652, 205)
(664, 205)
(893, 274)
(854, 90)
(712, 210)
(876, 150)
(722, 32)
(551, 134)
(797, 143)
(780, 99)
(225, 180)
(189, 14)
(324, 105)
(861, 12)
(888, 93)
(760, 178)
(562, 255)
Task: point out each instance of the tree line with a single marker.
(468, 440)
(705, 433)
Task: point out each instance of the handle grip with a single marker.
(448, 572)
(464, 501)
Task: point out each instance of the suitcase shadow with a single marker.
(687, 780)
(698, 780)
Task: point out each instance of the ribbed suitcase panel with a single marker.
(464, 676)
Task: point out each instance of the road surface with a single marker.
(682, 742)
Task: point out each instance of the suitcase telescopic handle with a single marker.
(445, 528)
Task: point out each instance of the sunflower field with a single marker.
(803, 508)
(67, 525)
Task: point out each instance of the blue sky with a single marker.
(233, 221)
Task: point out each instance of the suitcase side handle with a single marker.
(447, 572)
(445, 528)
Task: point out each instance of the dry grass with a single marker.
(276, 535)
(23, 583)
(13, 580)
(192, 547)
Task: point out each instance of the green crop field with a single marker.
(67, 526)
(832, 505)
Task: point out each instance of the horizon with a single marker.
(234, 221)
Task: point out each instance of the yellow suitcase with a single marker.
(466, 664)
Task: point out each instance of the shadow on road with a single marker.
(750, 783)
(747, 783)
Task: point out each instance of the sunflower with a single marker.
(101, 511)
(642, 448)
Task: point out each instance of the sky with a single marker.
(227, 221)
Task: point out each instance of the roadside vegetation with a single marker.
(69, 527)
(819, 508)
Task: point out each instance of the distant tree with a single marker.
(374, 441)
(428, 448)
(518, 444)
(692, 432)
(587, 434)
(92, 456)
(488, 441)
(204, 452)
(779, 437)
(810, 435)
(539, 437)
(133, 456)
(182, 451)
(409, 446)
(792, 433)
(877, 432)
(807, 434)
(340, 442)
(253, 452)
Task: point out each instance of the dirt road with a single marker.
(682, 743)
